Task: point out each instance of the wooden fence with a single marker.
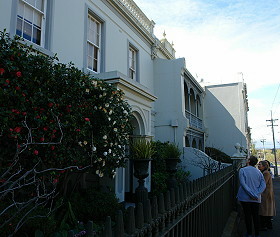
(196, 209)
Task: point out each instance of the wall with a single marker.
(170, 122)
(225, 117)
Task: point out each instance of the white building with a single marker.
(225, 116)
(113, 40)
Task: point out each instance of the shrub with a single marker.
(95, 205)
(159, 183)
(54, 119)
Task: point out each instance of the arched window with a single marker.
(198, 106)
(192, 101)
(186, 94)
(194, 143)
(200, 147)
(187, 142)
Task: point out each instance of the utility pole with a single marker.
(263, 141)
(274, 150)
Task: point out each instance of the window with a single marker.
(30, 20)
(132, 63)
(93, 44)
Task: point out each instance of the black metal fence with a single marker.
(199, 208)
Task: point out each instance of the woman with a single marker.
(267, 206)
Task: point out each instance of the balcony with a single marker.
(195, 122)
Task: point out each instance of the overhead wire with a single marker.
(275, 99)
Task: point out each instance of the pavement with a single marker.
(240, 231)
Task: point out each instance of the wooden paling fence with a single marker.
(196, 209)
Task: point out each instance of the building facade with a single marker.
(225, 116)
(113, 40)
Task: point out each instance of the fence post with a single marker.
(154, 207)
(130, 221)
(108, 227)
(167, 201)
(139, 220)
(89, 229)
(147, 212)
(161, 208)
(119, 232)
(172, 197)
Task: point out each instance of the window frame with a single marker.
(98, 46)
(135, 59)
(42, 16)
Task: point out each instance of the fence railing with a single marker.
(198, 208)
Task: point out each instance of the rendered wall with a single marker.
(170, 120)
(225, 117)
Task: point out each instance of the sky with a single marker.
(226, 41)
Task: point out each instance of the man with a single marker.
(252, 184)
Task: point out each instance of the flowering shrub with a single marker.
(53, 117)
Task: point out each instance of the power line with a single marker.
(274, 150)
(275, 96)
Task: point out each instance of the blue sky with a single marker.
(221, 38)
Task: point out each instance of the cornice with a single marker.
(192, 80)
(129, 17)
(120, 80)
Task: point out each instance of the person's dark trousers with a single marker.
(251, 213)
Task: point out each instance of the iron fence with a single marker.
(199, 208)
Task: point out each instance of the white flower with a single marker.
(99, 159)
(95, 107)
(115, 129)
(125, 112)
(103, 163)
(93, 148)
(114, 173)
(110, 112)
(100, 96)
(87, 90)
(119, 146)
(104, 94)
(105, 137)
(114, 122)
(106, 105)
(80, 143)
(105, 153)
(99, 173)
(109, 119)
(109, 151)
(94, 83)
(85, 142)
(114, 154)
(111, 144)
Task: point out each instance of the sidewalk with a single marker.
(275, 232)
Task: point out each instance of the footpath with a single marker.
(275, 232)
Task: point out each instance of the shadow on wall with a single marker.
(199, 163)
(223, 128)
